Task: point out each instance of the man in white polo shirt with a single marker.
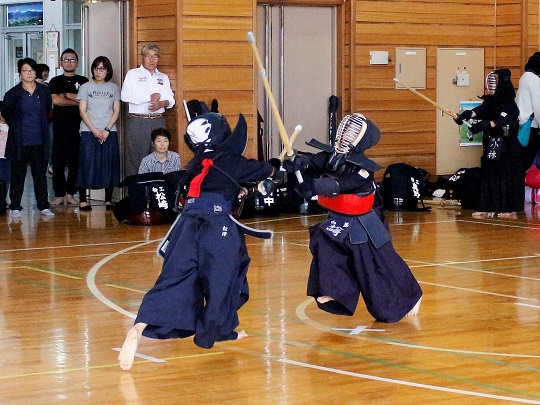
(148, 93)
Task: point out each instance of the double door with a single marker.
(18, 45)
(299, 47)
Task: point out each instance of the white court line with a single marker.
(143, 356)
(301, 314)
(495, 259)
(407, 383)
(528, 305)
(95, 291)
(91, 279)
(479, 291)
(456, 265)
(298, 244)
(284, 219)
(68, 246)
(503, 224)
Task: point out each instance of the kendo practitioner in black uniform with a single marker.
(502, 181)
(352, 249)
(203, 281)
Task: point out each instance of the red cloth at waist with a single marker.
(350, 204)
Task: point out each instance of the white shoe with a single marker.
(47, 212)
(15, 213)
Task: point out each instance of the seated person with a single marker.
(161, 159)
(152, 192)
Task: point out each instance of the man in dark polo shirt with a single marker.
(66, 123)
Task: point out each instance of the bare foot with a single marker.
(480, 214)
(416, 308)
(324, 299)
(129, 348)
(242, 334)
(511, 215)
(58, 201)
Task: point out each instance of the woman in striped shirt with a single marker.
(161, 159)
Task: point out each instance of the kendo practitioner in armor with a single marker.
(352, 249)
(203, 281)
(502, 181)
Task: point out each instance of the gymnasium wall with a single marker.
(206, 55)
(406, 120)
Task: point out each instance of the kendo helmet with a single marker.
(212, 132)
(350, 132)
(497, 79)
(354, 136)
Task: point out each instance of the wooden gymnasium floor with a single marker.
(71, 285)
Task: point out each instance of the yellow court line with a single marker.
(53, 372)
(48, 271)
(125, 288)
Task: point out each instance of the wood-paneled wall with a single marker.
(207, 56)
(407, 121)
(157, 22)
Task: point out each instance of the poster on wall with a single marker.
(23, 15)
(52, 40)
(465, 136)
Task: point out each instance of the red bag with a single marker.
(532, 178)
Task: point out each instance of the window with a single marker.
(72, 25)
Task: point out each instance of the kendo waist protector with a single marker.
(349, 204)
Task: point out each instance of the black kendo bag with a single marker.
(464, 185)
(402, 188)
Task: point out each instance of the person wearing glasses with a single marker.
(25, 109)
(99, 106)
(148, 93)
(66, 124)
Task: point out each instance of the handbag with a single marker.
(532, 178)
(525, 131)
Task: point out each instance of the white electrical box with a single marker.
(462, 79)
(378, 58)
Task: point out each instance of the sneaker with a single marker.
(47, 213)
(15, 213)
(58, 201)
(71, 201)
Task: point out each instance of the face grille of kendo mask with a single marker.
(350, 131)
(491, 82)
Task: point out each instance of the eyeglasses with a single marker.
(100, 69)
(29, 71)
(70, 60)
(151, 56)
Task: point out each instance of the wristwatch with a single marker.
(107, 129)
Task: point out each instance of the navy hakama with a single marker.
(200, 291)
(352, 258)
